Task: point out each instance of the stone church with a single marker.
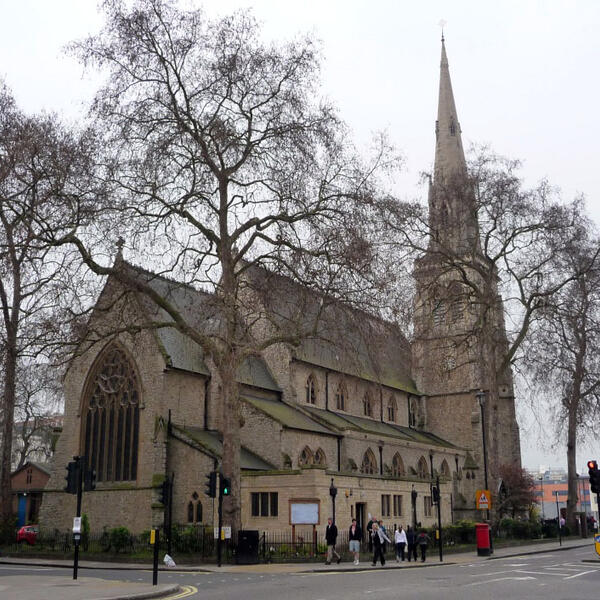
(378, 417)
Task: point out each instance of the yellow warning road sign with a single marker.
(483, 499)
(597, 543)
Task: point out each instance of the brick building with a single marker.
(359, 406)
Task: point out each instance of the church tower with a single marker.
(459, 334)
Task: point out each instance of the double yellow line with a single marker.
(186, 590)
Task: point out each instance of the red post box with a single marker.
(482, 535)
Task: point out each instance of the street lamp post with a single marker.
(333, 494)
(480, 395)
(558, 519)
(413, 499)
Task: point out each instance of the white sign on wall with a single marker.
(225, 533)
(305, 513)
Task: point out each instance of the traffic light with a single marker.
(211, 485)
(163, 494)
(72, 477)
(89, 480)
(594, 474)
(435, 493)
(225, 488)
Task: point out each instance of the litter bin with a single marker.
(247, 549)
(482, 535)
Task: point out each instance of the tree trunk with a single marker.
(232, 506)
(8, 404)
(572, 464)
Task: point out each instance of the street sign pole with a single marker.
(439, 512)
(219, 546)
(77, 536)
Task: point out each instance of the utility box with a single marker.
(482, 536)
(247, 548)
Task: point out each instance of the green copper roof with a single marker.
(345, 422)
(287, 415)
(210, 440)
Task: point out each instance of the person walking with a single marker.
(400, 541)
(379, 538)
(411, 543)
(354, 539)
(331, 537)
(370, 532)
(422, 541)
(382, 527)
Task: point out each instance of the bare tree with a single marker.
(37, 410)
(223, 164)
(517, 492)
(38, 159)
(485, 258)
(563, 354)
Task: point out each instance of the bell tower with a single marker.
(459, 332)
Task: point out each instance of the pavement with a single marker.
(87, 587)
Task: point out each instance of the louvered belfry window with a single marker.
(111, 418)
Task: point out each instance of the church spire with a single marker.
(449, 155)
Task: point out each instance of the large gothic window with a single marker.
(369, 464)
(111, 418)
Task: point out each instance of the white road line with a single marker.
(564, 568)
(580, 574)
(542, 573)
(492, 573)
(500, 579)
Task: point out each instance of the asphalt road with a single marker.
(551, 576)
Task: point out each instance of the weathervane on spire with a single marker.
(442, 23)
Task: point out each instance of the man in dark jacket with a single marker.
(331, 538)
(411, 543)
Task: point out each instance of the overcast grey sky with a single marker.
(524, 73)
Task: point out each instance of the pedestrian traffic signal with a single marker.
(225, 488)
(594, 474)
(435, 493)
(89, 480)
(163, 494)
(211, 485)
(72, 477)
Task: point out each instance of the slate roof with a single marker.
(340, 338)
(287, 415)
(211, 441)
(350, 422)
(200, 310)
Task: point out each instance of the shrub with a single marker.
(119, 538)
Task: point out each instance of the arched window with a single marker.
(311, 390)
(397, 466)
(413, 409)
(194, 509)
(320, 457)
(445, 469)
(369, 464)
(392, 409)
(367, 405)
(340, 397)
(422, 470)
(306, 457)
(111, 417)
